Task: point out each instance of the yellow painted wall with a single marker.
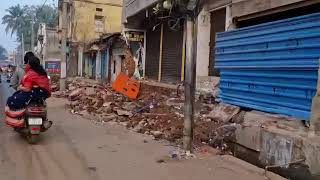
(83, 18)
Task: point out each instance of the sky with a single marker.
(6, 40)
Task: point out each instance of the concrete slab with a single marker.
(311, 149)
(248, 134)
(279, 140)
(275, 149)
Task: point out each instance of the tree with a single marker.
(46, 14)
(3, 53)
(14, 19)
(19, 19)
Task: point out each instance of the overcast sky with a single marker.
(7, 41)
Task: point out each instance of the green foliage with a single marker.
(18, 20)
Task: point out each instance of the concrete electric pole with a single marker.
(189, 84)
(190, 79)
(64, 45)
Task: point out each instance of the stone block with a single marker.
(249, 136)
(280, 147)
(311, 149)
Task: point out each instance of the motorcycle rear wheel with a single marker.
(33, 138)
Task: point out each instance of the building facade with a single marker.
(164, 39)
(87, 21)
(90, 19)
(165, 33)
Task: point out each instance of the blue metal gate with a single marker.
(271, 67)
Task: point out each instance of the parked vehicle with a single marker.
(9, 75)
(30, 122)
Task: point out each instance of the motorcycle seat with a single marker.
(13, 122)
(15, 114)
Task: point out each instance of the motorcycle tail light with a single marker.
(36, 109)
(35, 129)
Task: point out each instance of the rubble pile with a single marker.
(157, 111)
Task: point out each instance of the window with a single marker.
(99, 24)
(99, 9)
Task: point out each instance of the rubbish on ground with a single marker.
(150, 105)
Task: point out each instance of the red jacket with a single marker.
(31, 79)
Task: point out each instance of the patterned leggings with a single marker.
(20, 99)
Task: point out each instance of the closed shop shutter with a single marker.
(153, 53)
(172, 54)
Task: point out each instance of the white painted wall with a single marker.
(203, 48)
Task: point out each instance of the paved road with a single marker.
(77, 149)
(53, 158)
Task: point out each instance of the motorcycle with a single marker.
(31, 121)
(9, 75)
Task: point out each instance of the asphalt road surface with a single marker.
(53, 158)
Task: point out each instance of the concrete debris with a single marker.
(107, 104)
(124, 113)
(54, 88)
(174, 102)
(138, 128)
(71, 88)
(54, 80)
(129, 106)
(157, 112)
(223, 112)
(156, 134)
(109, 117)
(125, 124)
(90, 91)
(74, 94)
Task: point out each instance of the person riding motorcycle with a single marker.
(20, 71)
(35, 83)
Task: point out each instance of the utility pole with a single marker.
(64, 46)
(190, 66)
(32, 36)
(193, 9)
(41, 41)
(22, 48)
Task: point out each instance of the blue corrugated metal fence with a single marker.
(271, 67)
